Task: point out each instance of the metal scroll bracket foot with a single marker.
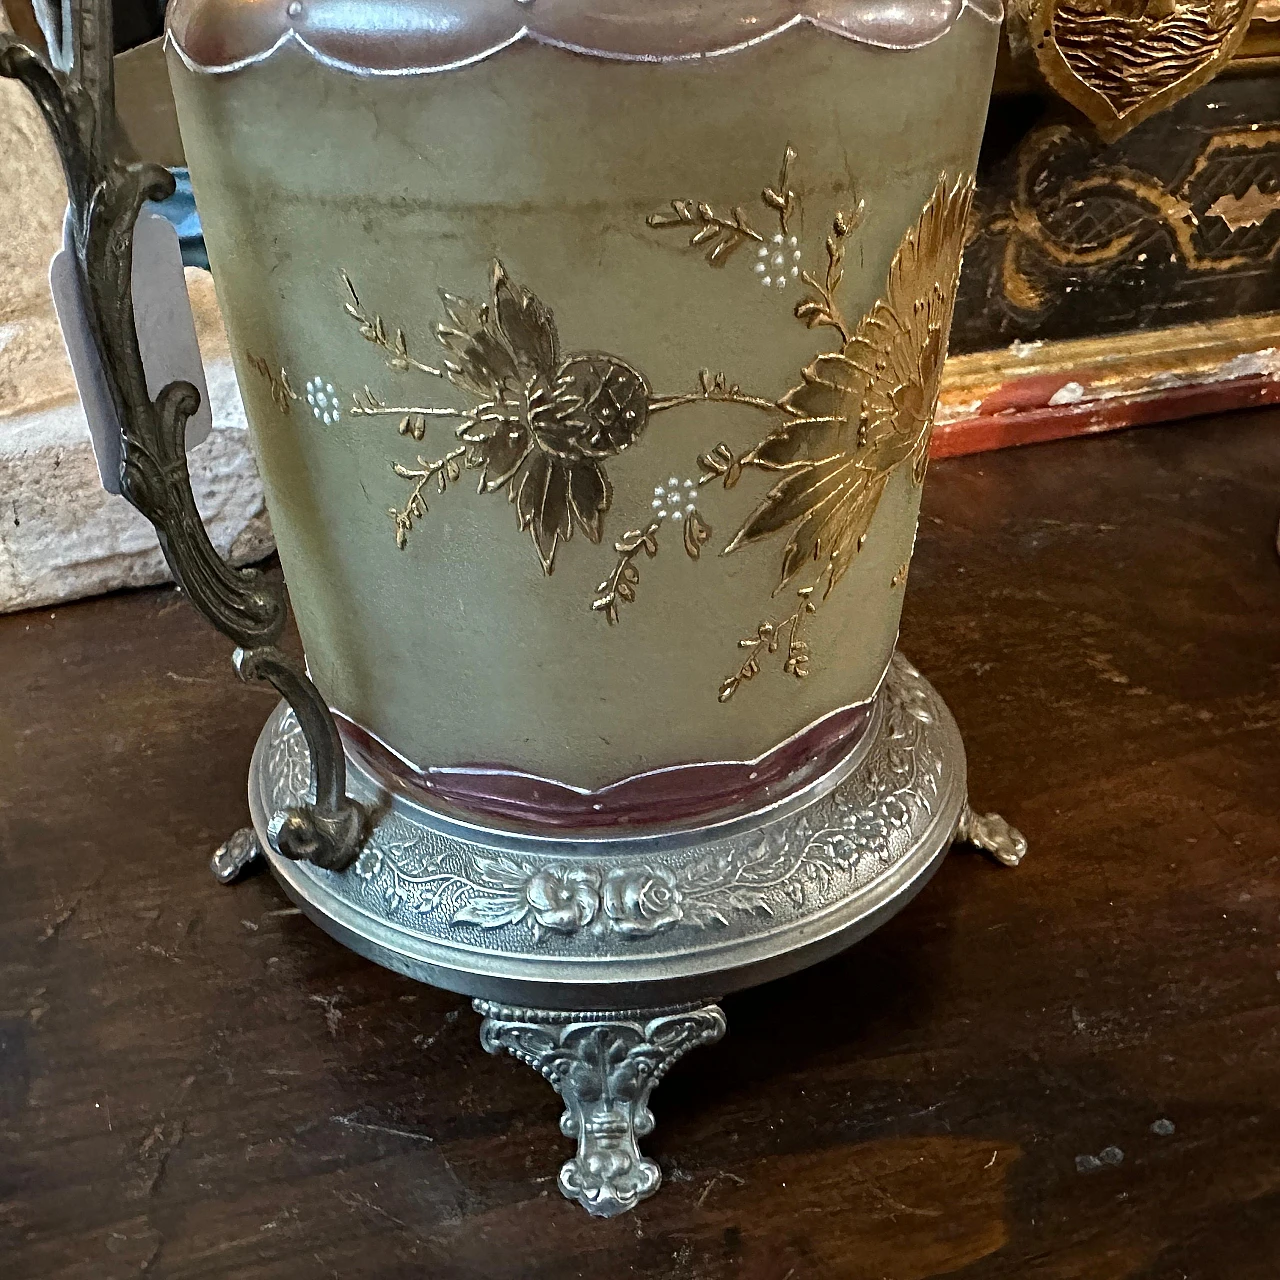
(993, 835)
(235, 855)
(604, 1066)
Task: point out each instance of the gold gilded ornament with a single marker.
(1121, 61)
(542, 423)
(863, 411)
(282, 392)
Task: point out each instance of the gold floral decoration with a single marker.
(861, 412)
(768, 639)
(673, 502)
(542, 423)
(282, 392)
(720, 234)
(857, 415)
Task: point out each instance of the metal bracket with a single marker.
(75, 92)
(993, 835)
(605, 1066)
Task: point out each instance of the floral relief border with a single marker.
(840, 843)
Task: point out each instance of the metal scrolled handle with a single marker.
(329, 831)
(76, 95)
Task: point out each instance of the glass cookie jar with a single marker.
(583, 343)
(590, 351)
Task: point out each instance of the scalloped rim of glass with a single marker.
(496, 814)
(418, 37)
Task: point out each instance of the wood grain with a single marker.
(195, 1083)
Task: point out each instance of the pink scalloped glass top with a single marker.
(402, 36)
(678, 793)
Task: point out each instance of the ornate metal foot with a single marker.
(604, 1066)
(993, 835)
(233, 857)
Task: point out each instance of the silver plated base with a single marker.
(552, 936)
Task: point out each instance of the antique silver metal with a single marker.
(546, 931)
(605, 1066)
(566, 922)
(991, 833)
(234, 855)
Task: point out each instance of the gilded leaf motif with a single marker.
(543, 424)
(860, 413)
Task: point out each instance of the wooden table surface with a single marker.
(1068, 1070)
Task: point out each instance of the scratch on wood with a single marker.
(887, 1200)
(163, 1144)
(55, 926)
(426, 1041)
(722, 1176)
(350, 1122)
(332, 1014)
(354, 1201)
(158, 951)
(181, 679)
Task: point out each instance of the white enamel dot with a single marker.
(674, 482)
(690, 508)
(764, 252)
(793, 242)
(677, 515)
(760, 266)
(795, 257)
(778, 238)
(782, 282)
(767, 281)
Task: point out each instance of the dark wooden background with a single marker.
(1038, 205)
(196, 1083)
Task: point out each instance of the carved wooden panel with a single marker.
(1178, 221)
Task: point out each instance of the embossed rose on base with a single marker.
(848, 837)
(641, 902)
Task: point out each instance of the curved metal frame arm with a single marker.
(75, 92)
